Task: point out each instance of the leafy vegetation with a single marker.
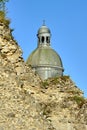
(3, 18)
(59, 80)
(45, 84)
(79, 100)
(65, 78)
(2, 5)
(74, 92)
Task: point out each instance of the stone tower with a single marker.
(44, 60)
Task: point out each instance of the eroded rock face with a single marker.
(27, 103)
(11, 54)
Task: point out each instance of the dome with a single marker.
(45, 57)
(43, 29)
(44, 60)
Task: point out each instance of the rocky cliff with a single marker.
(27, 103)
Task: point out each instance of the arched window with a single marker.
(48, 39)
(42, 39)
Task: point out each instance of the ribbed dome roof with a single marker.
(43, 29)
(44, 60)
(45, 56)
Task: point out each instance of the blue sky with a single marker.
(67, 20)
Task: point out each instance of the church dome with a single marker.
(45, 57)
(43, 29)
(44, 60)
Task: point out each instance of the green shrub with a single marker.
(44, 84)
(3, 18)
(57, 80)
(65, 77)
(79, 100)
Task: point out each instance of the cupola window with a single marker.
(48, 39)
(42, 39)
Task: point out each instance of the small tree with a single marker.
(2, 5)
(3, 18)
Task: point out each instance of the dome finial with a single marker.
(43, 22)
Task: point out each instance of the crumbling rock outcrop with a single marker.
(27, 103)
(11, 55)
